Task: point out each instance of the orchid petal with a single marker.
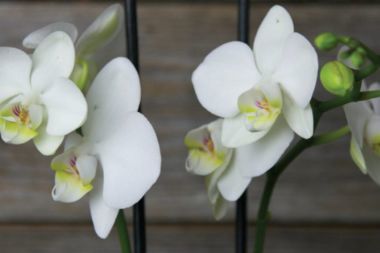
(35, 38)
(271, 37)
(263, 154)
(15, 68)
(357, 115)
(36, 114)
(86, 165)
(200, 163)
(206, 152)
(24, 134)
(213, 178)
(45, 143)
(103, 216)
(357, 155)
(223, 76)
(9, 130)
(72, 140)
(215, 129)
(300, 120)
(130, 157)
(69, 188)
(66, 107)
(232, 184)
(115, 91)
(372, 162)
(298, 69)
(53, 58)
(101, 31)
(236, 134)
(74, 175)
(220, 207)
(15, 133)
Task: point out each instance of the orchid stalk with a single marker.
(253, 95)
(319, 108)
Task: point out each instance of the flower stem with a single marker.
(273, 175)
(319, 108)
(337, 102)
(122, 230)
(329, 137)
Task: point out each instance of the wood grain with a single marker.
(193, 238)
(323, 186)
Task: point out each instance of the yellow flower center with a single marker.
(208, 145)
(22, 114)
(263, 105)
(72, 167)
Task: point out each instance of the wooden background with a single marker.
(322, 203)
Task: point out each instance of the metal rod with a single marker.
(241, 205)
(243, 20)
(133, 55)
(139, 227)
(241, 224)
(131, 32)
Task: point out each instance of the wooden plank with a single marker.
(322, 186)
(186, 239)
(221, 1)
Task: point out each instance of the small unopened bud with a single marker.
(80, 75)
(326, 41)
(336, 78)
(357, 59)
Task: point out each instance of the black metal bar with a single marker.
(241, 205)
(131, 27)
(132, 39)
(139, 227)
(241, 224)
(243, 20)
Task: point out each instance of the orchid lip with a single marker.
(72, 168)
(208, 145)
(21, 113)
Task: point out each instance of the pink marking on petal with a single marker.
(73, 161)
(16, 110)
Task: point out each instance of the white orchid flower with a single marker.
(89, 56)
(37, 100)
(117, 159)
(364, 122)
(221, 166)
(261, 92)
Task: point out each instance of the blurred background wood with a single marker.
(322, 203)
(217, 1)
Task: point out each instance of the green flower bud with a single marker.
(357, 59)
(326, 41)
(344, 54)
(336, 78)
(80, 75)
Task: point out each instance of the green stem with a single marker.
(329, 137)
(122, 230)
(337, 102)
(273, 175)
